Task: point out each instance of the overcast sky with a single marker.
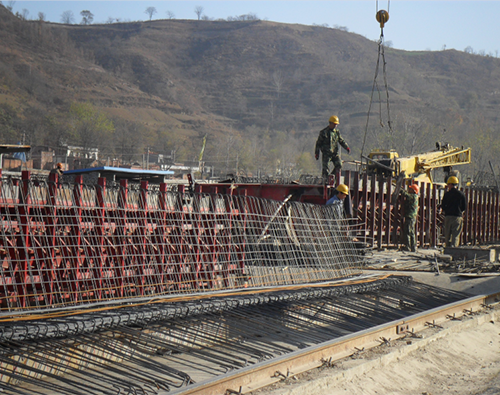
(413, 25)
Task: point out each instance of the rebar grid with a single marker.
(170, 354)
(74, 245)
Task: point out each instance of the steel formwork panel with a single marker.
(67, 245)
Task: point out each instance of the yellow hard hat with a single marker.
(452, 180)
(343, 188)
(334, 119)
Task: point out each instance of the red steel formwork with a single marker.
(381, 221)
(376, 219)
(65, 245)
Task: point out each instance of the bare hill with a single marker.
(260, 90)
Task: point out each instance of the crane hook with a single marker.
(382, 17)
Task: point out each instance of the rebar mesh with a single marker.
(171, 353)
(73, 245)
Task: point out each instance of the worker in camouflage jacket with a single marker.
(410, 206)
(328, 143)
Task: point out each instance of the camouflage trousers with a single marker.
(326, 159)
(409, 236)
(452, 230)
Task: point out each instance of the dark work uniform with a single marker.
(453, 205)
(328, 143)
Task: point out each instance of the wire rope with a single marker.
(375, 85)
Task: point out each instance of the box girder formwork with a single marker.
(65, 245)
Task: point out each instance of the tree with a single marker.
(89, 127)
(24, 14)
(41, 16)
(129, 140)
(277, 81)
(170, 15)
(198, 10)
(67, 17)
(87, 17)
(10, 5)
(9, 123)
(150, 11)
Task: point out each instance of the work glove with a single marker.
(316, 156)
(348, 150)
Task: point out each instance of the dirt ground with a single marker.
(461, 357)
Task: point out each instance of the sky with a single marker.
(412, 25)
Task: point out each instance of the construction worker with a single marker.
(338, 199)
(410, 205)
(328, 143)
(449, 172)
(57, 170)
(453, 206)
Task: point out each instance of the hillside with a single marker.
(259, 90)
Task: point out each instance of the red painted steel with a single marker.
(132, 246)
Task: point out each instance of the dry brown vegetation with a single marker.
(260, 90)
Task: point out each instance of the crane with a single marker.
(419, 166)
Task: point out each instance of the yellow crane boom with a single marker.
(419, 165)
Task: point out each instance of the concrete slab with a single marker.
(473, 285)
(489, 254)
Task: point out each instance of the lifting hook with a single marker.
(382, 17)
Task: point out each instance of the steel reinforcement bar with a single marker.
(72, 245)
(222, 344)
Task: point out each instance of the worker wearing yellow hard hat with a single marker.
(328, 143)
(334, 119)
(453, 206)
(337, 200)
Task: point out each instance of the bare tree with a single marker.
(67, 17)
(170, 15)
(277, 82)
(41, 17)
(24, 14)
(150, 11)
(10, 5)
(245, 17)
(469, 49)
(87, 17)
(198, 10)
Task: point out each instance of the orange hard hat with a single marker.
(60, 165)
(415, 188)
